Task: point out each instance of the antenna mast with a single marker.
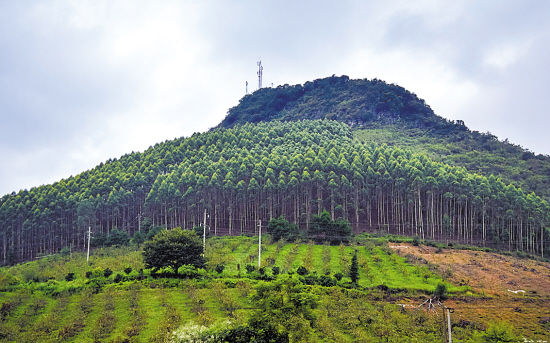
(260, 72)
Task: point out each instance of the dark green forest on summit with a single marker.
(368, 152)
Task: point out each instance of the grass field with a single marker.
(39, 305)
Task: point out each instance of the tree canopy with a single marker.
(173, 248)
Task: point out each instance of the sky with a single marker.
(85, 81)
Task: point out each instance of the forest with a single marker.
(256, 172)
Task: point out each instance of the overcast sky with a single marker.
(85, 81)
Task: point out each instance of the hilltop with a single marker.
(387, 113)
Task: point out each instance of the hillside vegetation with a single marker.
(384, 162)
(257, 172)
(62, 299)
(398, 117)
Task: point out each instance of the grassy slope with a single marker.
(163, 305)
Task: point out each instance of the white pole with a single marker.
(449, 325)
(89, 235)
(260, 244)
(204, 235)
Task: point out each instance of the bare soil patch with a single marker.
(489, 273)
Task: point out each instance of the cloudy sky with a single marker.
(84, 81)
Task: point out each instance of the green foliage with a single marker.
(280, 228)
(138, 238)
(69, 277)
(107, 272)
(173, 248)
(322, 227)
(287, 305)
(220, 268)
(117, 237)
(128, 270)
(65, 251)
(302, 270)
(354, 269)
(441, 291)
(500, 332)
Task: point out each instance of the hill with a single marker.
(386, 163)
(373, 106)
(40, 302)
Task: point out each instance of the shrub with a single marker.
(280, 228)
(275, 270)
(354, 269)
(88, 274)
(117, 237)
(327, 281)
(250, 268)
(139, 238)
(65, 251)
(415, 241)
(302, 270)
(69, 277)
(107, 272)
(441, 291)
(128, 270)
(338, 276)
(220, 268)
(117, 278)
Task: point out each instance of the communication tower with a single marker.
(260, 72)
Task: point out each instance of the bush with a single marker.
(441, 291)
(250, 268)
(415, 241)
(275, 270)
(280, 228)
(69, 277)
(338, 276)
(128, 270)
(88, 274)
(327, 281)
(139, 238)
(302, 270)
(220, 268)
(354, 269)
(65, 251)
(107, 272)
(117, 278)
(117, 237)
(323, 227)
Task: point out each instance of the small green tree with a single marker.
(354, 269)
(280, 228)
(173, 248)
(117, 237)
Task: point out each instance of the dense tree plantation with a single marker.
(398, 117)
(258, 172)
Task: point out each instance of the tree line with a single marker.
(256, 172)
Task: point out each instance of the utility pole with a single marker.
(89, 235)
(449, 311)
(246, 87)
(259, 243)
(260, 74)
(204, 235)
